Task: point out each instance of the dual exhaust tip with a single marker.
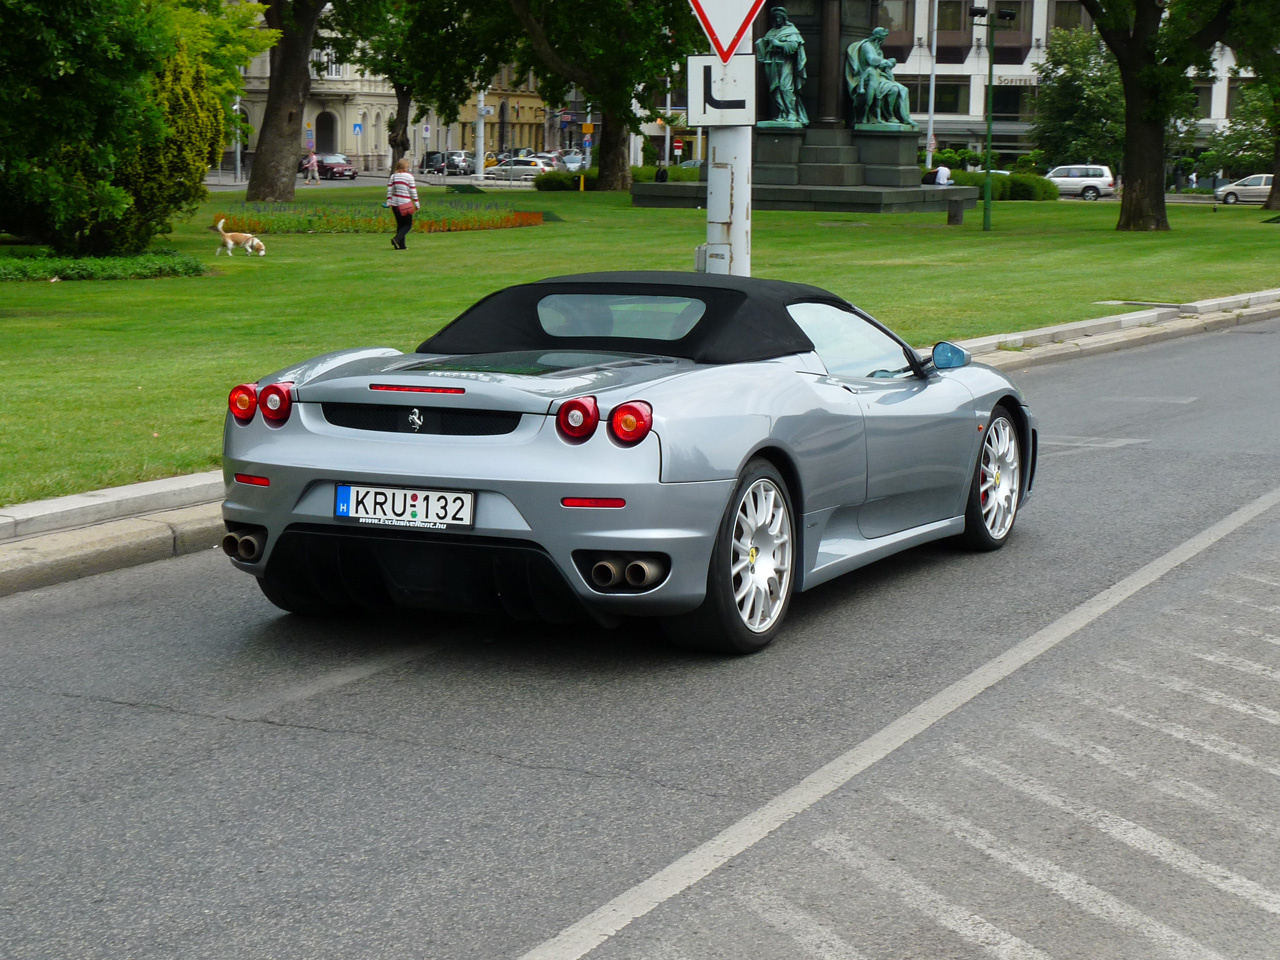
(618, 571)
(244, 546)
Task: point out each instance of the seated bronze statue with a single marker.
(877, 97)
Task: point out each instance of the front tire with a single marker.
(1231, 198)
(996, 487)
(1089, 193)
(752, 572)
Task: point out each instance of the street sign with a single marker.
(588, 128)
(586, 141)
(677, 146)
(357, 128)
(933, 144)
(426, 129)
(725, 22)
(722, 94)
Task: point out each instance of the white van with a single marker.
(1087, 181)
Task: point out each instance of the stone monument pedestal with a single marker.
(889, 156)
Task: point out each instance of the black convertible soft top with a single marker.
(746, 318)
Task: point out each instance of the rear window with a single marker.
(606, 315)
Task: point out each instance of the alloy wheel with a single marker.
(1001, 477)
(761, 555)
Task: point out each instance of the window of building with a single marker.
(951, 15)
(897, 15)
(1204, 100)
(1021, 23)
(1234, 89)
(1012, 102)
(950, 95)
(1068, 15)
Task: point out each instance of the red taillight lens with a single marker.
(631, 422)
(243, 401)
(578, 418)
(276, 401)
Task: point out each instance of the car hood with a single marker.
(525, 381)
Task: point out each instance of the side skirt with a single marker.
(839, 555)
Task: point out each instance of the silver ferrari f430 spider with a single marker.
(690, 447)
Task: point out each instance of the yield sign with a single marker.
(725, 21)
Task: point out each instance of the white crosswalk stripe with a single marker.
(1199, 691)
(815, 937)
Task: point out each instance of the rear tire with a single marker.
(1231, 198)
(1090, 193)
(996, 487)
(752, 572)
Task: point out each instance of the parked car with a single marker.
(691, 447)
(432, 163)
(573, 161)
(691, 163)
(1086, 181)
(330, 166)
(552, 160)
(1253, 189)
(459, 162)
(518, 168)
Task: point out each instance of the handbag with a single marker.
(405, 209)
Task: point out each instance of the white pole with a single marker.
(933, 79)
(479, 151)
(237, 113)
(697, 146)
(666, 130)
(729, 153)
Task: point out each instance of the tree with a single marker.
(76, 83)
(375, 36)
(617, 53)
(1255, 37)
(1079, 102)
(275, 162)
(1157, 43)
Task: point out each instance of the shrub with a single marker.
(563, 180)
(1017, 186)
(675, 174)
(158, 263)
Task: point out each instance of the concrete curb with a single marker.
(52, 541)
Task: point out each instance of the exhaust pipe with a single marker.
(250, 547)
(645, 573)
(231, 545)
(607, 573)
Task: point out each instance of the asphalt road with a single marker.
(185, 772)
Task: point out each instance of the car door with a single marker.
(921, 431)
(1261, 189)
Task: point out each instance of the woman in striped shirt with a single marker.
(402, 190)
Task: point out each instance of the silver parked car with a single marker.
(1253, 189)
(1087, 181)
(517, 168)
(689, 447)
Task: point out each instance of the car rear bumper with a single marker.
(519, 481)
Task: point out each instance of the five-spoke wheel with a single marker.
(750, 579)
(997, 485)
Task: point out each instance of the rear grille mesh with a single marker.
(422, 420)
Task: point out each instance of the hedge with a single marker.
(563, 180)
(1015, 186)
(160, 263)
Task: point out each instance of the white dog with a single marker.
(230, 241)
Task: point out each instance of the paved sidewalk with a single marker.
(51, 541)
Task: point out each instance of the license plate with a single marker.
(405, 507)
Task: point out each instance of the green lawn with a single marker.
(105, 383)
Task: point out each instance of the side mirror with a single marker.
(948, 356)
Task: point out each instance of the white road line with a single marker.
(1239, 631)
(1207, 694)
(1267, 581)
(583, 936)
(1070, 886)
(969, 926)
(815, 937)
(258, 707)
(1103, 442)
(1183, 790)
(1205, 741)
(1232, 662)
(1129, 833)
(1179, 400)
(1243, 601)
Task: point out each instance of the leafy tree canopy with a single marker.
(1079, 102)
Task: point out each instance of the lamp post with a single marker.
(991, 79)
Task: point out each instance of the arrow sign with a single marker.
(725, 21)
(722, 94)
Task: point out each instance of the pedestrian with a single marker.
(944, 176)
(312, 167)
(402, 198)
(1191, 180)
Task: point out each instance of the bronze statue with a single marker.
(781, 52)
(877, 97)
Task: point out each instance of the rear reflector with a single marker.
(253, 481)
(396, 388)
(608, 502)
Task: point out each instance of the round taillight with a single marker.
(276, 401)
(243, 401)
(631, 422)
(578, 418)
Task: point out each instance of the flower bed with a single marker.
(262, 218)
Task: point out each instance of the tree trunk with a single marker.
(1142, 197)
(615, 166)
(398, 135)
(275, 161)
(1273, 198)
